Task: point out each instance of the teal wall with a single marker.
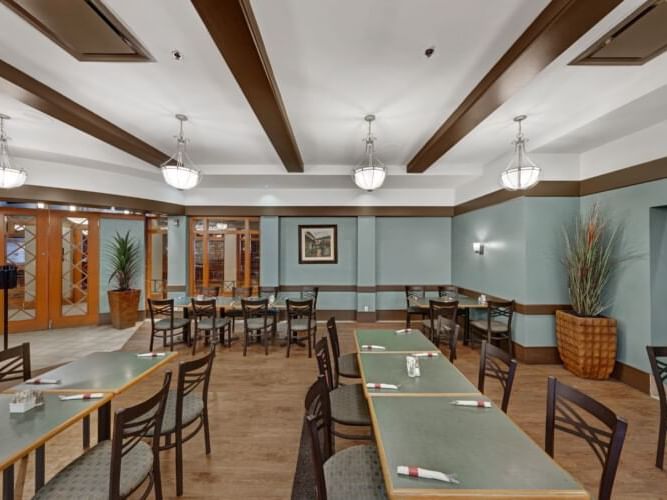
(108, 229)
(658, 256)
(177, 252)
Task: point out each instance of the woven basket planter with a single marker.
(587, 346)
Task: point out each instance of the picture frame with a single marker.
(318, 244)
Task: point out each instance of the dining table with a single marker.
(419, 423)
(466, 304)
(109, 373)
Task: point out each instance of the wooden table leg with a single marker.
(466, 327)
(104, 422)
(8, 483)
(19, 482)
(40, 467)
(86, 432)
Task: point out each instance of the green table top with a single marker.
(438, 375)
(100, 372)
(490, 455)
(465, 302)
(23, 432)
(414, 342)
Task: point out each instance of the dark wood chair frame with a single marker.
(443, 291)
(191, 375)
(257, 309)
(208, 309)
(165, 307)
(452, 338)
(492, 363)
(15, 363)
(133, 425)
(410, 310)
(332, 329)
(607, 443)
(498, 309)
(300, 310)
(238, 292)
(440, 309)
(209, 291)
(659, 369)
(324, 367)
(317, 421)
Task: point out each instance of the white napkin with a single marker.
(476, 403)
(405, 331)
(404, 470)
(428, 354)
(371, 385)
(40, 381)
(151, 354)
(75, 397)
(367, 347)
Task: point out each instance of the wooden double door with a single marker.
(57, 257)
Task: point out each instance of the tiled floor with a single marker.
(55, 347)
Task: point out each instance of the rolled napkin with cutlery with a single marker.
(78, 397)
(42, 381)
(473, 402)
(429, 354)
(151, 355)
(370, 347)
(408, 470)
(405, 331)
(371, 385)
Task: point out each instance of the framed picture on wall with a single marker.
(318, 244)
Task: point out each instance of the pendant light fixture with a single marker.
(10, 177)
(371, 173)
(179, 171)
(521, 173)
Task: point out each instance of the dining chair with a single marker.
(311, 292)
(206, 320)
(563, 403)
(498, 323)
(266, 291)
(450, 291)
(238, 293)
(412, 294)
(15, 363)
(345, 365)
(439, 309)
(348, 403)
(300, 324)
(186, 410)
(208, 291)
(257, 322)
(115, 469)
(163, 322)
(659, 369)
(496, 363)
(354, 472)
(451, 331)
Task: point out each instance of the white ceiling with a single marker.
(334, 61)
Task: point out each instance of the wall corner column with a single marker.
(366, 278)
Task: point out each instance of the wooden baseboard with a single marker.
(105, 318)
(366, 316)
(536, 355)
(339, 314)
(632, 376)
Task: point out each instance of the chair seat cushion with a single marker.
(88, 475)
(193, 406)
(348, 405)
(427, 323)
(348, 366)
(301, 325)
(354, 473)
(258, 323)
(165, 323)
(496, 326)
(207, 323)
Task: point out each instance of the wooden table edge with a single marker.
(438, 493)
(165, 359)
(57, 430)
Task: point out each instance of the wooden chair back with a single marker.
(191, 375)
(15, 363)
(442, 309)
(241, 292)
(332, 329)
(205, 308)
(563, 403)
(453, 331)
(324, 363)
(161, 308)
(416, 291)
(133, 425)
(496, 363)
(502, 311)
(209, 291)
(317, 422)
(659, 369)
(448, 291)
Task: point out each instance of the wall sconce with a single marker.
(478, 248)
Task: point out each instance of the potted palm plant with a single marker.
(124, 256)
(587, 339)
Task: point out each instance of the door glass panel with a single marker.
(198, 263)
(21, 250)
(254, 260)
(74, 266)
(216, 259)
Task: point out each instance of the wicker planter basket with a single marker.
(587, 346)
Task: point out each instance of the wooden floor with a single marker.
(256, 413)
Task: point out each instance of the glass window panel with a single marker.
(254, 260)
(21, 250)
(74, 266)
(216, 260)
(199, 263)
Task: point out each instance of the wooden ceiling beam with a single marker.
(558, 26)
(233, 28)
(24, 88)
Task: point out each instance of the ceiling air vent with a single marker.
(86, 29)
(637, 39)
